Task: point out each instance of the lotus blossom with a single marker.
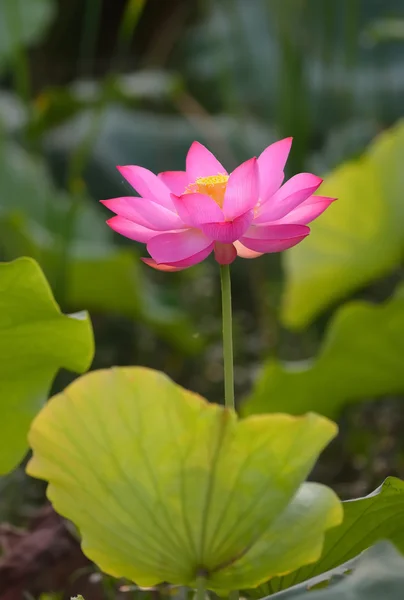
(184, 216)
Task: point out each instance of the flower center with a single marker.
(213, 186)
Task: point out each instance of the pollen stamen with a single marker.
(213, 186)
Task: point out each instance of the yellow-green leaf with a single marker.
(36, 340)
(359, 238)
(163, 485)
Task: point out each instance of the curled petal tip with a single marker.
(161, 267)
(316, 180)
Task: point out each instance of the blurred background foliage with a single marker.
(89, 84)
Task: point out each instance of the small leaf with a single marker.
(164, 485)
(379, 574)
(359, 238)
(379, 516)
(36, 340)
(360, 357)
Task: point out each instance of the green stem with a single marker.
(227, 354)
(77, 163)
(227, 337)
(200, 588)
(131, 15)
(21, 70)
(89, 35)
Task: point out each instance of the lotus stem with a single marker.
(227, 337)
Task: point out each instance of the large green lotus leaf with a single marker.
(99, 275)
(379, 516)
(361, 356)
(36, 340)
(164, 486)
(22, 22)
(378, 574)
(359, 238)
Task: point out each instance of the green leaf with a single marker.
(379, 574)
(36, 340)
(379, 516)
(22, 22)
(163, 485)
(99, 275)
(360, 357)
(359, 238)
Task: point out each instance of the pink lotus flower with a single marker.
(183, 216)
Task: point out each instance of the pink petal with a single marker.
(172, 247)
(195, 209)
(276, 232)
(290, 195)
(200, 162)
(229, 231)
(176, 181)
(244, 252)
(268, 246)
(147, 184)
(131, 230)
(225, 254)
(274, 238)
(144, 212)
(271, 164)
(181, 264)
(242, 191)
(307, 211)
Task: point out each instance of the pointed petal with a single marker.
(307, 211)
(176, 181)
(147, 184)
(225, 254)
(242, 191)
(131, 230)
(196, 209)
(173, 247)
(291, 194)
(181, 264)
(229, 231)
(244, 252)
(201, 162)
(271, 164)
(167, 268)
(145, 212)
(274, 238)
